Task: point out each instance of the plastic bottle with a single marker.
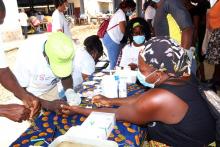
(122, 88)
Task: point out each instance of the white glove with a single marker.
(190, 52)
(72, 97)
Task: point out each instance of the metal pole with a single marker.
(82, 8)
(139, 7)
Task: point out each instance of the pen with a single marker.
(38, 139)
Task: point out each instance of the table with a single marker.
(51, 125)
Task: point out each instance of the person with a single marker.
(39, 68)
(181, 16)
(116, 30)
(139, 32)
(213, 49)
(15, 112)
(150, 13)
(174, 115)
(23, 19)
(59, 22)
(86, 58)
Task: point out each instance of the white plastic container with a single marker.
(122, 88)
(109, 86)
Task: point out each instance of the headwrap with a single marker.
(166, 55)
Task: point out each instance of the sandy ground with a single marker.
(9, 130)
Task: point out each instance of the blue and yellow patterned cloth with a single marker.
(51, 125)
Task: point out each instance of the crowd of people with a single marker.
(164, 59)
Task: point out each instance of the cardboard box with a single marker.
(101, 124)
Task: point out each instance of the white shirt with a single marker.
(150, 13)
(3, 63)
(60, 22)
(32, 70)
(130, 54)
(83, 63)
(23, 19)
(115, 33)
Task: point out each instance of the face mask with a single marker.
(142, 78)
(156, 1)
(129, 13)
(139, 39)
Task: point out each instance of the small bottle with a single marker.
(122, 88)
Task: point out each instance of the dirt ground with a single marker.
(80, 32)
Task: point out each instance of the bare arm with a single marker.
(84, 76)
(186, 38)
(104, 101)
(122, 26)
(15, 112)
(9, 81)
(67, 82)
(154, 105)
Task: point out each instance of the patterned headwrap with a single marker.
(166, 55)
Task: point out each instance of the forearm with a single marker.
(2, 111)
(67, 82)
(186, 40)
(123, 101)
(9, 81)
(86, 111)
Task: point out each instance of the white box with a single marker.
(76, 134)
(101, 124)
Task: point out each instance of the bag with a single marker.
(206, 41)
(103, 28)
(213, 101)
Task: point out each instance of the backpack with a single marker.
(103, 28)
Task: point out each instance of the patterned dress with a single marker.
(213, 50)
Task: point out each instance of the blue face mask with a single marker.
(139, 39)
(156, 1)
(129, 13)
(142, 78)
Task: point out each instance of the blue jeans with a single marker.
(113, 50)
(193, 66)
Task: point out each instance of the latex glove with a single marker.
(72, 97)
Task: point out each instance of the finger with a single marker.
(65, 107)
(34, 109)
(66, 111)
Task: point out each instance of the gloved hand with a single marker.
(190, 52)
(72, 97)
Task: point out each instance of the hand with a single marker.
(133, 66)
(31, 102)
(101, 101)
(54, 105)
(16, 112)
(69, 110)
